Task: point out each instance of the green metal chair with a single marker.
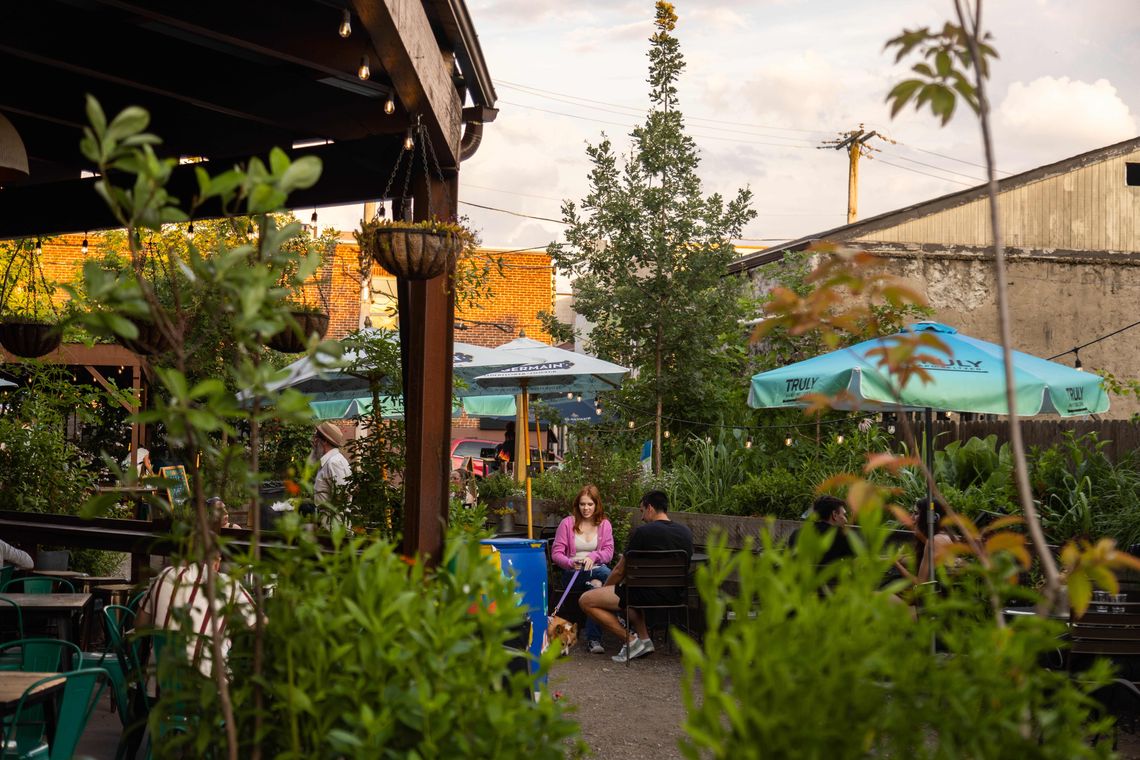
(44, 655)
(6, 573)
(11, 661)
(80, 695)
(38, 584)
(108, 658)
(130, 693)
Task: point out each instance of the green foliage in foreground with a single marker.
(822, 663)
(368, 657)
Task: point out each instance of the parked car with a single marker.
(481, 450)
(462, 448)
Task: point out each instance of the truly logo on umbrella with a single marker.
(800, 384)
(461, 358)
(955, 365)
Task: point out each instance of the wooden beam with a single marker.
(403, 41)
(353, 172)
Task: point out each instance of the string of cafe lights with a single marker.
(1075, 350)
(746, 429)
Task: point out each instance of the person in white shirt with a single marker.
(335, 470)
(10, 555)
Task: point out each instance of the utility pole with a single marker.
(855, 142)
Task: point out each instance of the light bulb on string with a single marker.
(190, 231)
(1077, 364)
(83, 246)
(788, 441)
(579, 397)
(631, 425)
(666, 433)
(708, 439)
(249, 231)
(747, 443)
(39, 247)
(364, 71)
(570, 396)
(409, 141)
(313, 218)
(389, 106)
(345, 28)
(839, 438)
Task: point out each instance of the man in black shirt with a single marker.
(602, 604)
(831, 515)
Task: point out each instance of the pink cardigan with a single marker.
(562, 551)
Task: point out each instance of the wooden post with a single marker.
(427, 311)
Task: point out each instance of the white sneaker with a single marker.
(596, 647)
(634, 649)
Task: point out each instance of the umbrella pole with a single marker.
(928, 424)
(526, 464)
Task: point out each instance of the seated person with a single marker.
(830, 515)
(584, 544)
(10, 555)
(177, 597)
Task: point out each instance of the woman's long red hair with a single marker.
(590, 490)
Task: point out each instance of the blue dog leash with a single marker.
(569, 586)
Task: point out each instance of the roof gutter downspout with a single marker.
(472, 138)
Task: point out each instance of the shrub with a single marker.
(776, 493)
(368, 656)
(810, 641)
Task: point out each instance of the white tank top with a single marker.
(583, 547)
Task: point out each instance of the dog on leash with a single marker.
(563, 631)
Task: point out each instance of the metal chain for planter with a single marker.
(412, 251)
(28, 336)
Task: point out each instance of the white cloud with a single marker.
(1052, 118)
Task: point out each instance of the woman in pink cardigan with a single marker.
(585, 542)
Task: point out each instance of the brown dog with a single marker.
(562, 630)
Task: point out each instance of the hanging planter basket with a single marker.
(288, 341)
(29, 339)
(149, 342)
(413, 253)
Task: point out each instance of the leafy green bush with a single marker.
(368, 657)
(776, 493)
(810, 642)
(499, 486)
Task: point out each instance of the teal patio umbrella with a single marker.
(969, 376)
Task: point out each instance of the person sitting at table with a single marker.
(142, 462)
(942, 538)
(176, 600)
(831, 516)
(584, 543)
(10, 555)
(603, 604)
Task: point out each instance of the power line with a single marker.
(561, 95)
(512, 213)
(949, 158)
(925, 174)
(512, 192)
(938, 168)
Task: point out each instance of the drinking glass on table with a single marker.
(1100, 602)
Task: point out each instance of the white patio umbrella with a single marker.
(542, 369)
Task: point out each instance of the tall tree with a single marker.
(649, 253)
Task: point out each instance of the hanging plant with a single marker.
(301, 325)
(28, 316)
(412, 250)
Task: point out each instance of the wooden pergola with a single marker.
(226, 81)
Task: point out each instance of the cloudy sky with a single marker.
(767, 81)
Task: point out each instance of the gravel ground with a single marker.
(625, 712)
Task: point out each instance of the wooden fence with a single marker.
(1123, 435)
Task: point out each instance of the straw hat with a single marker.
(331, 433)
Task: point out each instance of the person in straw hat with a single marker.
(334, 470)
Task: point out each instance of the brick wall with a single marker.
(516, 291)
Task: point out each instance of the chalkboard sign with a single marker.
(178, 493)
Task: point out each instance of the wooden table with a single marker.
(62, 608)
(95, 581)
(69, 574)
(13, 684)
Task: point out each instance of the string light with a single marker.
(345, 29)
(389, 106)
(788, 441)
(1077, 364)
(579, 398)
(747, 443)
(249, 232)
(364, 71)
(39, 247)
(631, 425)
(190, 231)
(570, 396)
(666, 434)
(409, 141)
(839, 438)
(83, 246)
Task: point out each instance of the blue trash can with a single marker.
(524, 559)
